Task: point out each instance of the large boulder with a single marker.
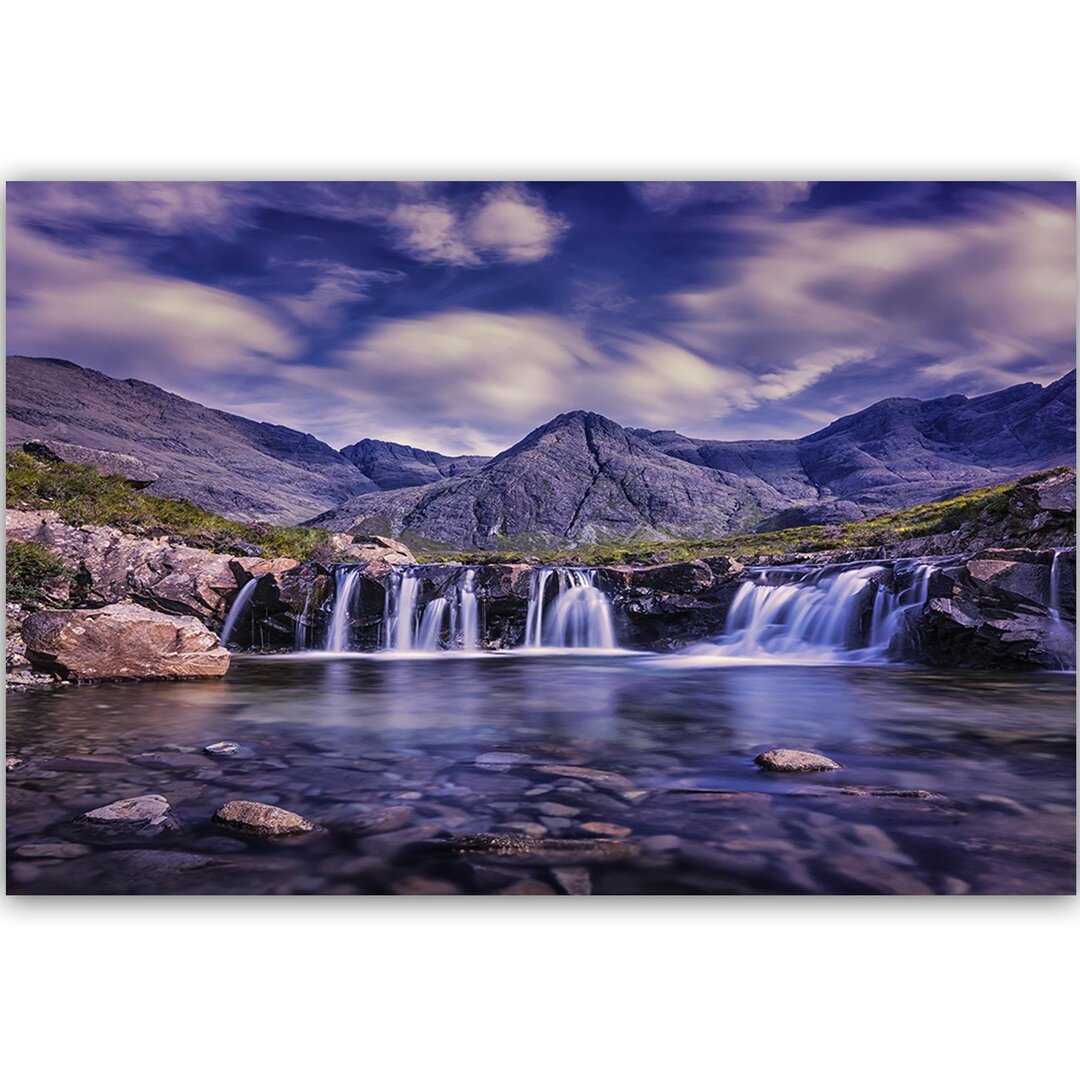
(123, 641)
(381, 553)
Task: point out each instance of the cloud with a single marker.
(333, 288)
(989, 295)
(507, 224)
(98, 308)
(669, 196)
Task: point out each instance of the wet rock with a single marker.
(499, 762)
(142, 814)
(223, 749)
(1002, 803)
(123, 641)
(600, 778)
(529, 828)
(606, 828)
(542, 851)
(13, 763)
(574, 880)
(371, 822)
(873, 875)
(261, 819)
(554, 809)
(58, 849)
(793, 761)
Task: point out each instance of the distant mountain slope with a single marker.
(393, 465)
(236, 467)
(582, 477)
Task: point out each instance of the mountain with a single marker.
(234, 466)
(392, 465)
(582, 477)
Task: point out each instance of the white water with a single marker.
(1054, 607)
(345, 583)
(470, 618)
(821, 615)
(399, 613)
(579, 617)
(432, 623)
(238, 607)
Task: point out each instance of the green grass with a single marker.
(32, 571)
(82, 496)
(984, 504)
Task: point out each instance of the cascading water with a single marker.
(345, 582)
(1054, 606)
(579, 617)
(239, 605)
(822, 614)
(399, 613)
(432, 623)
(470, 618)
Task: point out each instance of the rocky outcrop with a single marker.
(379, 552)
(122, 641)
(126, 466)
(110, 566)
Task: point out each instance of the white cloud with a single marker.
(335, 285)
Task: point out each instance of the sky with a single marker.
(459, 316)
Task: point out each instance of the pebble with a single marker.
(528, 887)
(544, 851)
(783, 760)
(261, 819)
(606, 828)
(498, 761)
(13, 763)
(554, 809)
(417, 885)
(599, 777)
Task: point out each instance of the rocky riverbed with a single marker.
(542, 775)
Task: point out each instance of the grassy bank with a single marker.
(82, 496)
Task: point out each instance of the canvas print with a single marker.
(540, 539)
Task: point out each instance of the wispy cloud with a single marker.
(668, 196)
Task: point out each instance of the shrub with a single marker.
(33, 572)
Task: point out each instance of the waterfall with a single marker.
(470, 621)
(399, 614)
(237, 609)
(828, 613)
(579, 617)
(345, 582)
(431, 625)
(1054, 606)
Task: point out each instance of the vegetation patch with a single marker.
(33, 574)
(82, 496)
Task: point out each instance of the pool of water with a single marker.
(953, 782)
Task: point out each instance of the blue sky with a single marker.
(458, 316)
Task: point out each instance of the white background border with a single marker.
(619, 987)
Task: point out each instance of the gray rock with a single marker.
(127, 466)
(793, 761)
(223, 749)
(573, 880)
(543, 851)
(56, 849)
(140, 814)
(392, 465)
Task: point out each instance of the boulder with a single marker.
(123, 641)
(794, 761)
(261, 819)
(142, 814)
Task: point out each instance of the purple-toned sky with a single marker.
(457, 316)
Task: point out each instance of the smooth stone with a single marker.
(61, 849)
(139, 811)
(223, 749)
(601, 778)
(527, 887)
(498, 761)
(1002, 803)
(13, 763)
(783, 760)
(543, 851)
(529, 828)
(554, 809)
(417, 885)
(606, 828)
(261, 819)
(372, 822)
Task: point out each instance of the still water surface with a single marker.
(336, 739)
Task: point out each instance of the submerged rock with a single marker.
(261, 819)
(541, 850)
(794, 761)
(123, 641)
